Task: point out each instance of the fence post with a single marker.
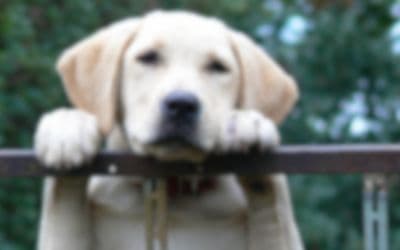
(375, 206)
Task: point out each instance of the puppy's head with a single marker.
(170, 78)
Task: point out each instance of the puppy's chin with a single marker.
(176, 148)
(169, 149)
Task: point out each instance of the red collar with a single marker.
(177, 186)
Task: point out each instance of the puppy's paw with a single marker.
(66, 138)
(243, 130)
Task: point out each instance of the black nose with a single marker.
(181, 106)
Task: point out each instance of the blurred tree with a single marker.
(339, 51)
(343, 60)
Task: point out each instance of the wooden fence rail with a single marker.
(310, 159)
(304, 159)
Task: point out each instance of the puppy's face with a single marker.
(179, 76)
(170, 79)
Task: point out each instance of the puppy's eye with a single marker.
(216, 66)
(150, 57)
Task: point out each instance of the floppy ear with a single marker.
(90, 70)
(265, 86)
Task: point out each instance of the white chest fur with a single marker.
(214, 220)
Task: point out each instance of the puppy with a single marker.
(173, 85)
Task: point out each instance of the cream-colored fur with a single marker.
(112, 88)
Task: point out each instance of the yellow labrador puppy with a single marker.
(174, 85)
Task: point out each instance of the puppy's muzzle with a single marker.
(180, 112)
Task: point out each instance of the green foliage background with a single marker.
(344, 56)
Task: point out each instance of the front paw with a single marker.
(66, 138)
(247, 129)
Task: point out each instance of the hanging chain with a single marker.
(155, 205)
